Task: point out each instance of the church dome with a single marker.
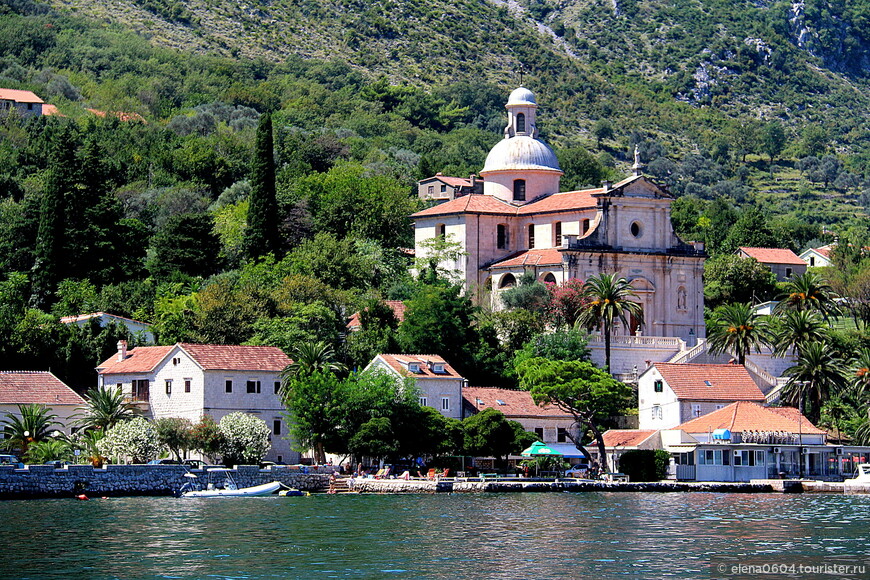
(519, 153)
(521, 96)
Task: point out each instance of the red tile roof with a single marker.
(398, 309)
(399, 363)
(626, 437)
(749, 416)
(824, 250)
(726, 382)
(24, 387)
(452, 181)
(470, 204)
(542, 257)
(773, 255)
(566, 201)
(223, 357)
(19, 96)
(50, 110)
(516, 403)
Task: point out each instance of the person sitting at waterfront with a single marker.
(406, 475)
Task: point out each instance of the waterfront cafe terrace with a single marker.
(742, 442)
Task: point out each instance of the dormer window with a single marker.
(438, 368)
(521, 123)
(414, 367)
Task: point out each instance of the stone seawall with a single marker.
(461, 486)
(44, 481)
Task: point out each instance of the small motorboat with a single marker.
(293, 492)
(227, 488)
(863, 475)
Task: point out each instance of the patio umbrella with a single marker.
(539, 449)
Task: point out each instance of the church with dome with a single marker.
(520, 222)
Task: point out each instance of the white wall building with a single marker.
(40, 387)
(671, 394)
(192, 380)
(439, 384)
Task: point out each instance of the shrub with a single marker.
(244, 439)
(135, 440)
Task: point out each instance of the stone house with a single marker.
(438, 383)
(40, 387)
(551, 424)
(671, 394)
(782, 262)
(25, 102)
(192, 380)
(440, 188)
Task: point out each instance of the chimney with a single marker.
(122, 350)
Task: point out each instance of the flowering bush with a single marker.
(135, 440)
(244, 439)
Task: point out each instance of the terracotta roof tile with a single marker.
(50, 110)
(542, 257)
(470, 204)
(452, 181)
(749, 416)
(626, 437)
(516, 403)
(398, 309)
(726, 382)
(19, 96)
(143, 359)
(566, 201)
(773, 255)
(399, 363)
(25, 387)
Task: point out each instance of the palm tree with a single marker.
(33, 423)
(609, 299)
(104, 408)
(310, 357)
(794, 329)
(736, 329)
(816, 375)
(860, 374)
(809, 291)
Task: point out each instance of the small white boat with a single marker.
(863, 475)
(265, 489)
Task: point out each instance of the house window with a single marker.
(229, 386)
(276, 427)
(636, 229)
(720, 406)
(253, 386)
(696, 410)
(659, 386)
(431, 190)
(585, 226)
(443, 188)
(501, 234)
(176, 361)
(441, 231)
(558, 231)
(423, 401)
(561, 435)
(656, 411)
(745, 458)
(788, 272)
(168, 386)
(713, 457)
(140, 390)
(812, 261)
(414, 367)
(519, 190)
(531, 236)
(521, 123)
(438, 368)
(445, 403)
(759, 458)
(187, 385)
(539, 433)
(277, 387)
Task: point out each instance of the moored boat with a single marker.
(863, 475)
(257, 490)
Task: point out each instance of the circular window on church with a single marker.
(636, 229)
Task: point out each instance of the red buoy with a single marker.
(82, 497)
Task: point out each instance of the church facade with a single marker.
(523, 223)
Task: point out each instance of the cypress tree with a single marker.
(261, 235)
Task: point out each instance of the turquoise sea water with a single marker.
(547, 535)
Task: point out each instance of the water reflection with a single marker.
(591, 535)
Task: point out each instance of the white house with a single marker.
(782, 262)
(671, 394)
(140, 330)
(440, 188)
(551, 424)
(439, 384)
(25, 102)
(41, 387)
(523, 223)
(192, 380)
(818, 257)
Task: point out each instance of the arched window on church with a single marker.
(519, 190)
(501, 236)
(549, 278)
(521, 123)
(531, 236)
(507, 281)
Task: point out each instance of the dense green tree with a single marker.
(376, 334)
(773, 139)
(309, 358)
(560, 344)
(602, 129)
(590, 395)
(736, 329)
(581, 169)
(729, 278)
(490, 433)
(185, 244)
(809, 291)
(530, 294)
(311, 401)
(609, 299)
(261, 234)
(752, 229)
(175, 434)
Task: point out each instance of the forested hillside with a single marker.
(149, 218)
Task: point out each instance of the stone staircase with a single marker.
(340, 486)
